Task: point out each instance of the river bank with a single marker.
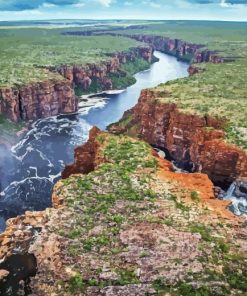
(32, 169)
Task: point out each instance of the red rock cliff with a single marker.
(85, 157)
(192, 140)
(82, 76)
(49, 98)
(38, 100)
(190, 52)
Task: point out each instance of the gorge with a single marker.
(122, 219)
(28, 176)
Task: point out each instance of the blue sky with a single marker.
(125, 9)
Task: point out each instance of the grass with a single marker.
(220, 89)
(24, 53)
(122, 193)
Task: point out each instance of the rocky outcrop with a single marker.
(83, 76)
(195, 142)
(49, 98)
(125, 230)
(181, 49)
(46, 99)
(86, 156)
(9, 103)
(38, 100)
(186, 51)
(192, 70)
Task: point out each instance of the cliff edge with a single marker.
(130, 226)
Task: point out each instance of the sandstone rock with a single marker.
(49, 98)
(128, 290)
(85, 156)
(186, 137)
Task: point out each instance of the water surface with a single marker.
(35, 163)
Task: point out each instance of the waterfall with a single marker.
(239, 204)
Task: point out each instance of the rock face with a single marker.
(49, 98)
(183, 50)
(9, 103)
(195, 142)
(83, 76)
(85, 156)
(38, 100)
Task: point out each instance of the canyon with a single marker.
(49, 98)
(119, 199)
(186, 51)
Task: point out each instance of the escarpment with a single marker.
(183, 50)
(83, 76)
(49, 98)
(193, 141)
(37, 100)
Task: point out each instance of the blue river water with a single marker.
(33, 166)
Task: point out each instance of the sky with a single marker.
(230, 10)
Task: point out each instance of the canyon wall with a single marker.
(183, 50)
(37, 100)
(83, 76)
(186, 51)
(195, 142)
(49, 98)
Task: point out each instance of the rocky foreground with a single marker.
(124, 223)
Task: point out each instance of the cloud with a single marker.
(23, 5)
(155, 5)
(236, 2)
(221, 2)
(26, 5)
(19, 5)
(106, 3)
(48, 5)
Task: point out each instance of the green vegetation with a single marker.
(25, 52)
(220, 89)
(203, 230)
(195, 196)
(120, 215)
(9, 129)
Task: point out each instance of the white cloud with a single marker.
(223, 3)
(48, 5)
(106, 3)
(79, 4)
(28, 12)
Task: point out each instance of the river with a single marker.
(30, 169)
(35, 163)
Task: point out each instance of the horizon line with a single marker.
(124, 19)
